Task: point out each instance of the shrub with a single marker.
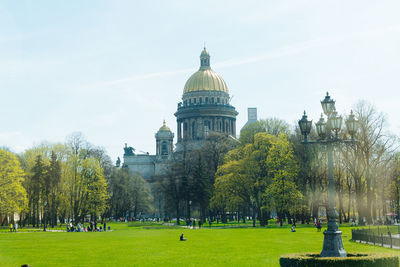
(354, 259)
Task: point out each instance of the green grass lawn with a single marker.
(151, 245)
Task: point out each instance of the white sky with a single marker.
(114, 70)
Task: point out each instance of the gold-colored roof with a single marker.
(164, 127)
(205, 79)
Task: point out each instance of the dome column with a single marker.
(179, 130)
(200, 128)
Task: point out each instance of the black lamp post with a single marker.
(328, 133)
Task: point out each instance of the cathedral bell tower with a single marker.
(164, 141)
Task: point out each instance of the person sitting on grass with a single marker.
(181, 238)
(293, 229)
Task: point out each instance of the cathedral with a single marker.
(205, 108)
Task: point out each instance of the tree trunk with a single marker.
(315, 207)
(349, 205)
(369, 193)
(177, 213)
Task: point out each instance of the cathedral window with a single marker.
(218, 100)
(201, 100)
(195, 100)
(190, 101)
(164, 148)
(206, 99)
(212, 100)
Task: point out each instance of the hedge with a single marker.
(354, 259)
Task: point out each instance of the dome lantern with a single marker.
(204, 60)
(205, 79)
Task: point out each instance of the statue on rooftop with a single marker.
(128, 151)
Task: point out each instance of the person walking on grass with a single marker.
(319, 226)
(11, 227)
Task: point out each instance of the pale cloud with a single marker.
(288, 50)
(269, 10)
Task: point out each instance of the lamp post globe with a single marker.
(305, 126)
(321, 128)
(335, 123)
(328, 105)
(351, 125)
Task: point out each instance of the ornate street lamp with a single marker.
(328, 105)
(328, 133)
(321, 127)
(351, 124)
(305, 126)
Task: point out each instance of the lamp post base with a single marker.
(333, 244)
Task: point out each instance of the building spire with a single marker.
(204, 59)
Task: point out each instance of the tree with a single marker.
(120, 192)
(140, 195)
(12, 194)
(395, 186)
(374, 141)
(272, 126)
(39, 172)
(282, 193)
(249, 170)
(54, 187)
(174, 186)
(85, 183)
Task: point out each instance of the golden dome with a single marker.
(205, 79)
(164, 127)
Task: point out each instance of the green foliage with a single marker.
(189, 181)
(65, 181)
(12, 193)
(93, 188)
(272, 126)
(282, 193)
(259, 174)
(352, 260)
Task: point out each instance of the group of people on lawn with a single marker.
(14, 227)
(92, 227)
(317, 224)
(192, 223)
